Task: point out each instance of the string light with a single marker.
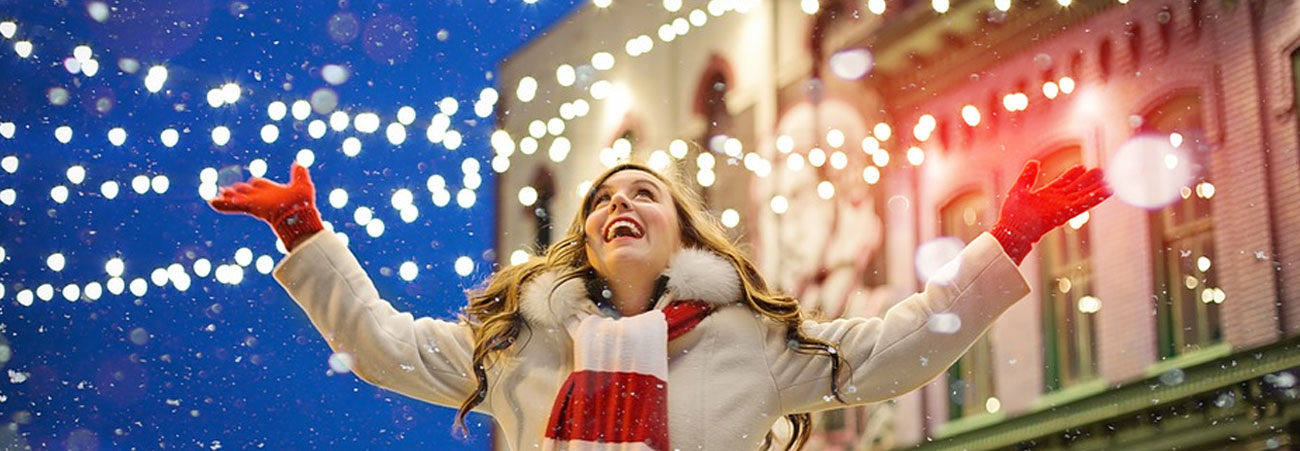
(230, 93)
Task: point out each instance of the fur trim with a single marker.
(543, 303)
(693, 274)
(701, 275)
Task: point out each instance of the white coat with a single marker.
(730, 379)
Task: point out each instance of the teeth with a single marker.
(610, 232)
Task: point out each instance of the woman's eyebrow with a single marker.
(646, 182)
(600, 189)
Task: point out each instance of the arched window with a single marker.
(1104, 59)
(717, 118)
(1076, 67)
(829, 16)
(970, 380)
(1295, 79)
(542, 214)
(1165, 29)
(992, 114)
(1187, 290)
(1134, 33)
(1069, 340)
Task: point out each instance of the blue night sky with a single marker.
(195, 361)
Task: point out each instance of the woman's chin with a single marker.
(627, 258)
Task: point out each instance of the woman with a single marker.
(580, 347)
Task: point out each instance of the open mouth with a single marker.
(623, 227)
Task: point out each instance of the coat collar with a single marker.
(693, 274)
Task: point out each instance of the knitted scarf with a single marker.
(617, 395)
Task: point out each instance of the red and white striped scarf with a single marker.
(617, 395)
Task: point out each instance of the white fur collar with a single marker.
(693, 274)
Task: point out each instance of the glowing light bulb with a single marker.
(230, 93)
(448, 106)
(527, 196)
(527, 89)
(971, 115)
(464, 265)
(565, 75)
(220, 135)
(779, 204)
(63, 134)
(117, 136)
(169, 137)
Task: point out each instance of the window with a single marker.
(831, 18)
(543, 222)
(1104, 59)
(1187, 292)
(711, 102)
(1135, 49)
(1295, 78)
(970, 380)
(1069, 346)
(717, 119)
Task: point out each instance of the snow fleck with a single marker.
(944, 323)
(1172, 377)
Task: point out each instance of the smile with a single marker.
(623, 227)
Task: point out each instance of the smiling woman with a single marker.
(645, 326)
(631, 232)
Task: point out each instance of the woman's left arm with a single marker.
(913, 342)
(924, 334)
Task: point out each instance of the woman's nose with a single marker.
(619, 201)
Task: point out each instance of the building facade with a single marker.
(851, 146)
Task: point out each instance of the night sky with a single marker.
(214, 353)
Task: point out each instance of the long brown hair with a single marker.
(493, 312)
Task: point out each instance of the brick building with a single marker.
(1164, 319)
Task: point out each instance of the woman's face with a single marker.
(632, 226)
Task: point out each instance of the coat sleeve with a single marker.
(425, 358)
(913, 342)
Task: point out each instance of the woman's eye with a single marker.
(646, 193)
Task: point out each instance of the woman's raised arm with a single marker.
(924, 334)
(425, 358)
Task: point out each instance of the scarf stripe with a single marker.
(618, 396)
(611, 407)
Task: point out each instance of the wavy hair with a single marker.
(493, 311)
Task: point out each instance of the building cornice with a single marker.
(919, 52)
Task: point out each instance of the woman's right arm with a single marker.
(425, 358)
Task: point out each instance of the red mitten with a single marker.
(1028, 215)
(289, 209)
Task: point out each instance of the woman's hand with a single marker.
(289, 209)
(1028, 214)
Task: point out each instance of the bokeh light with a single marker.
(936, 260)
(1146, 171)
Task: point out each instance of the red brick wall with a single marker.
(1240, 66)
(1279, 38)
(1241, 215)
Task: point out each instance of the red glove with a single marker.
(289, 209)
(1028, 215)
